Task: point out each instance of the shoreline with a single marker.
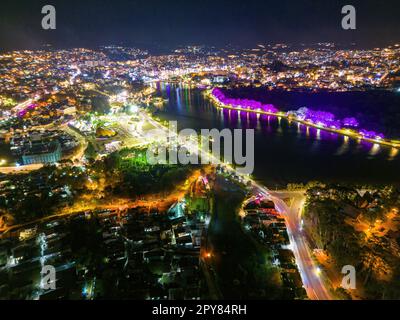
(344, 132)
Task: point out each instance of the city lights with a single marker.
(199, 160)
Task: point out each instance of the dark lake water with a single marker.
(286, 152)
(377, 110)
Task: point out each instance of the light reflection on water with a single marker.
(394, 152)
(284, 126)
(344, 148)
(376, 148)
(289, 152)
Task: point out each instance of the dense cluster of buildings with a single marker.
(51, 87)
(268, 227)
(133, 254)
(26, 74)
(22, 260)
(40, 146)
(141, 253)
(317, 67)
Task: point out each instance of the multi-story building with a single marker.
(42, 153)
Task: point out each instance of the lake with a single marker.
(287, 152)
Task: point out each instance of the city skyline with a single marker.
(199, 151)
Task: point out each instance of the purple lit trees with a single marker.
(242, 103)
(350, 122)
(318, 118)
(371, 134)
(30, 107)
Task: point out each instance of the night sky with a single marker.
(153, 23)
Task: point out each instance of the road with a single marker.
(313, 284)
(21, 169)
(161, 201)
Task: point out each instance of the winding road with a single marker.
(314, 285)
(312, 281)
